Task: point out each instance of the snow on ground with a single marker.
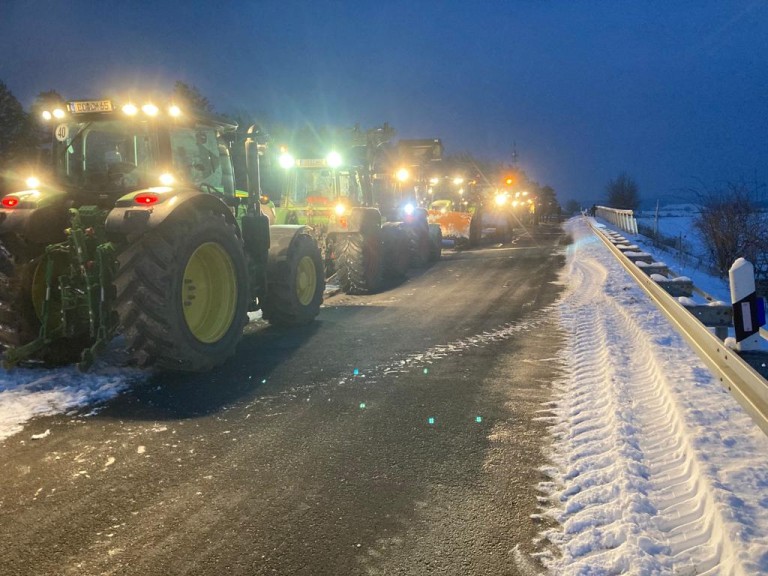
(28, 392)
(656, 469)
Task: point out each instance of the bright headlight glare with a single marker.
(501, 199)
(340, 209)
(333, 159)
(46, 115)
(150, 109)
(167, 179)
(286, 160)
(58, 113)
(32, 182)
(130, 110)
(402, 174)
(174, 111)
(409, 208)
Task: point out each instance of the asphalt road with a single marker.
(402, 433)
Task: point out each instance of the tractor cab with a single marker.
(101, 152)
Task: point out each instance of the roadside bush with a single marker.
(731, 227)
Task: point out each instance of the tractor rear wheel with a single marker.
(19, 323)
(358, 264)
(182, 293)
(435, 242)
(295, 287)
(395, 254)
(22, 291)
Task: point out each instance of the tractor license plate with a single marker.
(86, 106)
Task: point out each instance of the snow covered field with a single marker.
(656, 469)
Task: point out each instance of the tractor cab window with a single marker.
(322, 186)
(105, 157)
(197, 157)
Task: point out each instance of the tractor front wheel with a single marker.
(295, 286)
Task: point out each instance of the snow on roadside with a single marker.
(27, 393)
(656, 469)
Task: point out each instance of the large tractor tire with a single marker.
(19, 323)
(435, 242)
(395, 250)
(418, 242)
(359, 263)
(182, 293)
(295, 286)
(476, 228)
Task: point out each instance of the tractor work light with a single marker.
(130, 110)
(32, 182)
(409, 209)
(286, 160)
(333, 159)
(402, 174)
(167, 179)
(174, 111)
(150, 109)
(501, 199)
(340, 209)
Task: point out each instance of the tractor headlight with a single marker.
(409, 209)
(501, 199)
(167, 179)
(32, 182)
(340, 209)
(286, 160)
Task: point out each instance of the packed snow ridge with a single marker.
(656, 468)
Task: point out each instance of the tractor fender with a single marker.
(130, 218)
(281, 237)
(38, 218)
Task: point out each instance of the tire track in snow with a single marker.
(633, 496)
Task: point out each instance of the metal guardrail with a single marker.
(744, 383)
(624, 219)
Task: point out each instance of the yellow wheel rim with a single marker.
(306, 280)
(209, 293)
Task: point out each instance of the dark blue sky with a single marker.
(673, 92)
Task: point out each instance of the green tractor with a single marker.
(329, 195)
(137, 229)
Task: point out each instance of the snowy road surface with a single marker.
(656, 468)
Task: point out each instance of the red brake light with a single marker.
(10, 202)
(146, 198)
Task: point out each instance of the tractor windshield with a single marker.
(321, 186)
(104, 156)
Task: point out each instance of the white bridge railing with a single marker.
(624, 219)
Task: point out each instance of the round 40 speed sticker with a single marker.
(61, 132)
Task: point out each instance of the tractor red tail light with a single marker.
(10, 202)
(146, 198)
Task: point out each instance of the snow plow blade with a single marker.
(454, 225)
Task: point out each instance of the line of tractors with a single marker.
(168, 225)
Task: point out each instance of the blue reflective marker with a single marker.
(355, 371)
(430, 420)
(362, 405)
(478, 419)
(426, 370)
(264, 381)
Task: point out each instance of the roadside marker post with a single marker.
(748, 309)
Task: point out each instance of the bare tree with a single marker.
(191, 96)
(731, 227)
(623, 193)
